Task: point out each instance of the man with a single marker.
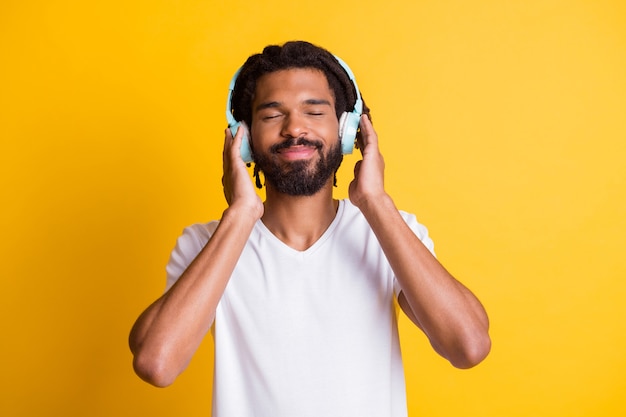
(299, 290)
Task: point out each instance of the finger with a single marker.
(357, 168)
(367, 131)
(227, 140)
(233, 144)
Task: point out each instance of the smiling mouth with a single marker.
(295, 145)
(297, 153)
(297, 148)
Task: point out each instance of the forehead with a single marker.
(292, 84)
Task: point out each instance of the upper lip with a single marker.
(296, 142)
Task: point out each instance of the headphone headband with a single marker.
(358, 104)
(231, 88)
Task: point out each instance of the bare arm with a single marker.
(168, 332)
(448, 313)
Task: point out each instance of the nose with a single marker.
(294, 126)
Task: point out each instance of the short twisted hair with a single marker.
(294, 54)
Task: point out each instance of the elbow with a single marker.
(473, 352)
(153, 370)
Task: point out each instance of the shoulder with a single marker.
(191, 241)
(199, 232)
(352, 213)
(195, 236)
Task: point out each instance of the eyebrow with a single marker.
(310, 102)
(268, 105)
(317, 101)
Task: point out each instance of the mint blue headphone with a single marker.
(348, 122)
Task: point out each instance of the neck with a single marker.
(299, 221)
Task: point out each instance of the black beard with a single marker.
(297, 178)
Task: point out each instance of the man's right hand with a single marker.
(238, 188)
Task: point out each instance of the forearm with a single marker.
(167, 334)
(450, 315)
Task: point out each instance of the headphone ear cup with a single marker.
(245, 150)
(348, 127)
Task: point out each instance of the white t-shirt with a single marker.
(306, 333)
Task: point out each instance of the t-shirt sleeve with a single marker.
(422, 233)
(188, 246)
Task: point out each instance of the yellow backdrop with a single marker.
(502, 124)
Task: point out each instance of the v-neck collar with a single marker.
(288, 250)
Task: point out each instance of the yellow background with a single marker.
(503, 128)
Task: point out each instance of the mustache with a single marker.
(300, 141)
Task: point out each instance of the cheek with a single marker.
(259, 136)
(331, 129)
(334, 133)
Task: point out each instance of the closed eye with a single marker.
(317, 107)
(317, 110)
(270, 114)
